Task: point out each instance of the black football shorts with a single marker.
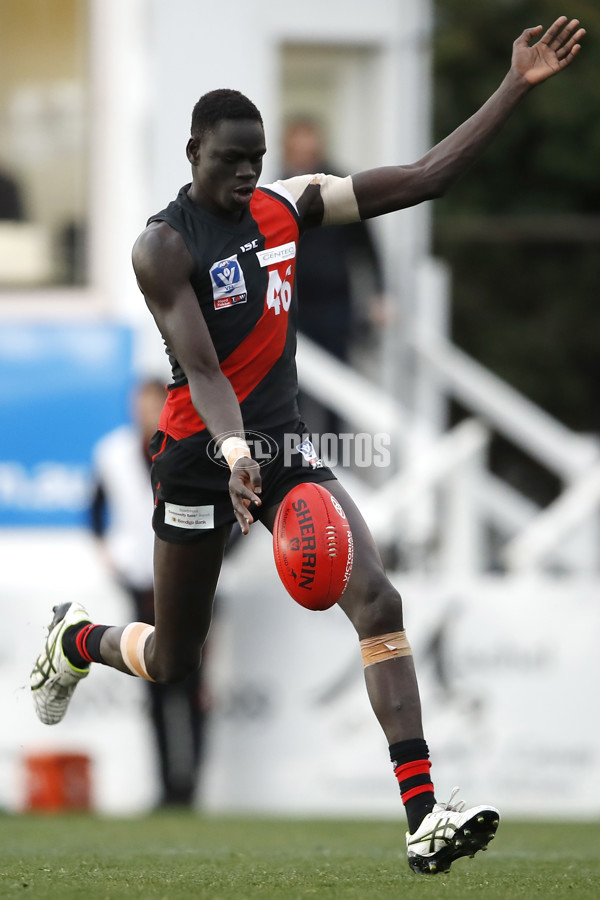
(190, 478)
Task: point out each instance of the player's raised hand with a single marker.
(244, 487)
(554, 51)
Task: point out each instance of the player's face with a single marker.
(227, 163)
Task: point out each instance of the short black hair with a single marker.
(219, 105)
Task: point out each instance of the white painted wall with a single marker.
(194, 49)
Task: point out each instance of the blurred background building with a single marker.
(487, 507)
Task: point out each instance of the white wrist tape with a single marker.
(233, 448)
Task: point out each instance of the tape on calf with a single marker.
(133, 642)
(384, 646)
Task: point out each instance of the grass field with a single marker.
(180, 856)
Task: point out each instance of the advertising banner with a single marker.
(64, 385)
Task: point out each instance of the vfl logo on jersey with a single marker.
(309, 453)
(228, 284)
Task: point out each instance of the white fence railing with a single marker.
(548, 441)
(578, 505)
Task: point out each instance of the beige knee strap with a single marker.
(133, 642)
(384, 646)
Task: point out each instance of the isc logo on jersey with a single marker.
(228, 284)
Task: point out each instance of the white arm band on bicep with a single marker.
(337, 194)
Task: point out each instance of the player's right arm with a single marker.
(163, 267)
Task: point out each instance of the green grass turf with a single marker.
(180, 856)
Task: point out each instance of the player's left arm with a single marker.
(329, 200)
(391, 188)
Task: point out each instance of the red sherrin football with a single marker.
(312, 545)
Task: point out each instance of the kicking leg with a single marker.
(439, 833)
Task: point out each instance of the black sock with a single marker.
(81, 644)
(411, 767)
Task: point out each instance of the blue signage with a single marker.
(63, 387)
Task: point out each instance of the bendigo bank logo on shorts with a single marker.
(262, 448)
(228, 283)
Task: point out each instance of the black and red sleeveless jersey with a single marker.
(243, 278)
